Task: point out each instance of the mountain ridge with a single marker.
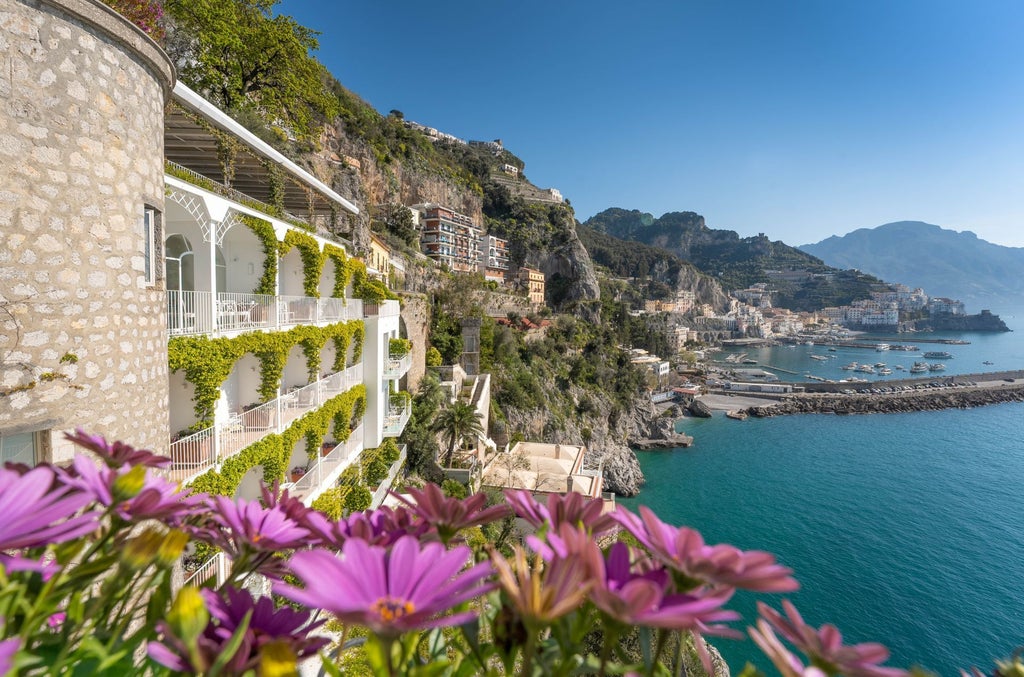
(926, 255)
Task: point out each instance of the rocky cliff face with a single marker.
(606, 436)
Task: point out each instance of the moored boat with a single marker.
(937, 355)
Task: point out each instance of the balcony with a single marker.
(387, 308)
(396, 366)
(327, 468)
(200, 312)
(197, 453)
(399, 411)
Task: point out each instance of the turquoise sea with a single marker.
(902, 528)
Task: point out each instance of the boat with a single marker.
(749, 361)
(904, 348)
(879, 365)
(989, 362)
(832, 350)
(885, 371)
(919, 367)
(899, 367)
(938, 366)
(820, 358)
(937, 355)
(866, 368)
(849, 367)
(882, 347)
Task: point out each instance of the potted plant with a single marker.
(297, 473)
(327, 447)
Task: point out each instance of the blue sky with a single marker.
(799, 119)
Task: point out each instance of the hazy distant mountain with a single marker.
(944, 262)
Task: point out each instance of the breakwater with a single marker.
(931, 399)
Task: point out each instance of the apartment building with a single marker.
(450, 238)
(533, 281)
(494, 258)
(171, 294)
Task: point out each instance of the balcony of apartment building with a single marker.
(240, 418)
(397, 415)
(398, 363)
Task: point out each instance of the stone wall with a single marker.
(415, 325)
(84, 341)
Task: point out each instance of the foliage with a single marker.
(456, 422)
(433, 357)
(396, 219)
(146, 14)
(342, 269)
(268, 240)
(358, 498)
(207, 362)
(399, 347)
(312, 259)
(454, 489)
(244, 58)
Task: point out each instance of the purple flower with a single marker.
(450, 515)
(540, 591)
(266, 625)
(824, 646)
(382, 526)
(683, 549)
(391, 592)
(8, 648)
(239, 526)
(135, 494)
(571, 508)
(38, 511)
(639, 598)
(117, 454)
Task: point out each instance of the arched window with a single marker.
(179, 264)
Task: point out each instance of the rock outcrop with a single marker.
(699, 409)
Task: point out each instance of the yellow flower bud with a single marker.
(129, 485)
(139, 552)
(171, 547)
(188, 616)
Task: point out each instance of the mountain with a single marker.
(736, 262)
(945, 262)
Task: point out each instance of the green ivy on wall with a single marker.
(265, 232)
(342, 269)
(274, 451)
(312, 259)
(207, 362)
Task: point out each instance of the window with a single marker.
(148, 246)
(20, 448)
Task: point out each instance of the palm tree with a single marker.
(456, 422)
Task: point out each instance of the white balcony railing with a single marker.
(397, 366)
(215, 568)
(197, 453)
(199, 312)
(328, 467)
(399, 411)
(382, 491)
(389, 308)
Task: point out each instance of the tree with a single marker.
(456, 422)
(242, 57)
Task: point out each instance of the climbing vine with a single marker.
(265, 232)
(207, 362)
(342, 269)
(312, 259)
(274, 451)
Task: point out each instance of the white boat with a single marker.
(885, 371)
(938, 366)
(866, 368)
(849, 367)
(882, 347)
(937, 355)
(919, 368)
(820, 358)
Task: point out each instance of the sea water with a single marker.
(902, 528)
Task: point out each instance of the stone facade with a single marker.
(84, 341)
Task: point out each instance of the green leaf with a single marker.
(231, 648)
(328, 665)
